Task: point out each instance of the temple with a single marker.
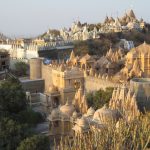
(137, 62)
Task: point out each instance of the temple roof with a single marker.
(67, 109)
(103, 61)
(143, 48)
(86, 58)
(131, 14)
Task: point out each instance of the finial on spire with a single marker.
(67, 101)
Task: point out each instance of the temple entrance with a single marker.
(83, 66)
(56, 102)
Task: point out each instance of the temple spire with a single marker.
(72, 55)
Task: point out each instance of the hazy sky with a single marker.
(33, 17)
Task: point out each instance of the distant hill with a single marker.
(101, 46)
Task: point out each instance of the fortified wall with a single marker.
(95, 83)
(47, 76)
(38, 70)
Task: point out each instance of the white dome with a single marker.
(105, 115)
(67, 109)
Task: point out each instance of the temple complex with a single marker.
(81, 32)
(62, 87)
(124, 100)
(137, 62)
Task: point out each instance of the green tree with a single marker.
(12, 97)
(30, 117)
(36, 142)
(21, 68)
(99, 98)
(11, 134)
(16, 119)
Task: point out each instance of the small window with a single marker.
(3, 56)
(3, 63)
(56, 124)
(69, 81)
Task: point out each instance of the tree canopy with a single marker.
(16, 118)
(21, 68)
(11, 133)
(99, 98)
(12, 97)
(36, 142)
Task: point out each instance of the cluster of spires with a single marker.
(128, 17)
(124, 100)
(80, 101)
(99, 75)
(114, 56)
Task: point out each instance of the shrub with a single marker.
(30, 117)
(35, 142)
(99, 98)
(21, 68)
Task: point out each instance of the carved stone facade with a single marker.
(66, 83)
(62, 118)
(133, 99)
(138, 62)
(125, 101)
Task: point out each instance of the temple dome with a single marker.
(55, 113)
(67, 109)
(105, 115)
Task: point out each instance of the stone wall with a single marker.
(94, 84)
(47, 76)
(32, 86)
(91, 83)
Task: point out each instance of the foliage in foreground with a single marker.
(12, 97)
(16, 119)
(21, 68)
(35, 142)
(11, 133)
(99, 98)
(132, 136)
